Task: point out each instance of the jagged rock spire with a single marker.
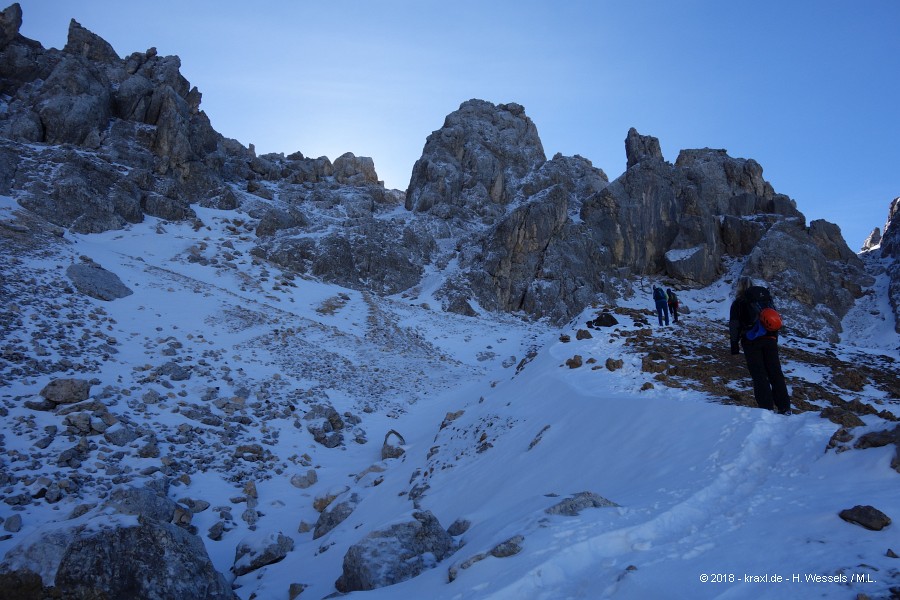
(641, 147)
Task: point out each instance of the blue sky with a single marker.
(807, 88)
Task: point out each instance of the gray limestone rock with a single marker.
(145, 502)
(472, 166)
(510, 547)
(395, 554)
(93, 280)
(890, 249)
(82, 42)
(66, 391)
(641, 147)
(112, 557)
(872, 241)
(258, 550)
(10, 22)
(573, 505)
(890, 239)
(147, 560)
(305, 481)
(354, 170)
(334, 515)
(811, 291)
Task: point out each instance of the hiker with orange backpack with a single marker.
(753, 324)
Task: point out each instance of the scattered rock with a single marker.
(324, 499)
(583, 334)
(259, 550)
(572, 506)
(450, 417)
(66, 391)
(842, 417)
(13, 523)
(335, 515)
(510, 547)
(574, 362)
(866, 516)
(604, 319)
(305, 481)
(459, 527)
(295, 589)
(614, 364)
(389, 450)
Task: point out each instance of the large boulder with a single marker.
(93, 280)
(112, 557)
(260, 549)
(395, 554)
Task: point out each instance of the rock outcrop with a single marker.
(129, 548)
(91, 141)
(395, 554)
(872, 241)
(472, 167)
(560, 233)
(890, 251)
(93, 280)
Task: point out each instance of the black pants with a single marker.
(764, 365)
(673, 310)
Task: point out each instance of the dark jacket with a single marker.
(742, 317)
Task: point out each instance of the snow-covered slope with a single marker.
(216, 358)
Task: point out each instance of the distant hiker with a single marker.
(662, 306)
(750, 327)
(673, 304)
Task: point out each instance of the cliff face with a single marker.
(556, 237)
(890, 251)
(91, 142)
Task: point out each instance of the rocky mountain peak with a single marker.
(82, 42)
(475, 162)
(641, 147)
(524, 234)
(10, 23)
(890, 239)
(872, 241)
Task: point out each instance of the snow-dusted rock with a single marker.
(113, 557)
(305, 481)
(573, 505)
(641, 147)
(334, 515)
(472, 166)
(260, 549)
(890, 249)
(66, 391)
(866, 516)
(93, 280)
(395, 554)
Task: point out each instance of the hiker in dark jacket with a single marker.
(761, 353)
(672, 299)
(662, 306)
